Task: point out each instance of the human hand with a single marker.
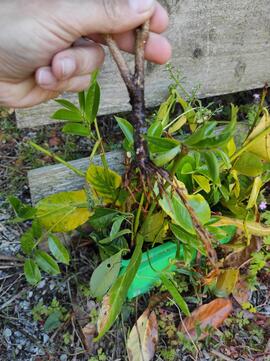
(42, 52)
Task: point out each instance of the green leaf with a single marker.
(27, 242)
(224, 157)
(188, 239)
(46, 262)
(23, 211)
(92, 99)
(58, 250)
(159, 145)
(155, 130)
(170, 286)
(174, 207)
(178, 125)
(53, 321)
(127, 129)
(203, 182)
(68, 105)
(116, 226)
(201, 133)
(106, 183)
(162, 158)
(105, 275)
(76, 129)
(154, 228)
(31, 271)
(102, 218)
(81, 98)
(213, 166)
(112, 304)
(64, 114)
(64, 211)
(249, 164)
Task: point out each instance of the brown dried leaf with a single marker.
(89, 333)
(211, 314)
(143, 338)
(242, 292)
(227, 280)
(103, 313)
(236, 259)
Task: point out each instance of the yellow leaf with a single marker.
(231, 147)
(227, 280)
(178, 124)
(64, 211)
(257, 184)
(143, 338)
(262, 146)
(203, 182)
(252, 228)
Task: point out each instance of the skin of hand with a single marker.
(44, 50)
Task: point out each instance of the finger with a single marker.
(79, 60)
(157, 49)
(107, 16)
(47, 81)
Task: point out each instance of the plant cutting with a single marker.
(189, 193)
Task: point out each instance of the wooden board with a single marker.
(58, 178)
(223, 46)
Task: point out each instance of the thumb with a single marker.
(109, 16)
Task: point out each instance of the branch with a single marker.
(120, 62)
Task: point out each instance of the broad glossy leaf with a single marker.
(102, 217)
(249, 164)
(155, 130)
(76, 129)
(188, 239)
(105, 183)
(112, 303)
(262, 146)
(154, 228)
(46, 263)
(31, 271)
(162, 158)
(174, 207)
(257, 184)
(160, 145)
(212, 314)
(201, 133)
(63, 212)
(127, 129)
(203, 182)
(143, 338)
(69, 115)
(213, 166)
(105, 275)
(226, 281)
(58, 250)
(170, 286)
(81, 98)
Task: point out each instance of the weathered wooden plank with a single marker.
(58, 178)
(222, 46)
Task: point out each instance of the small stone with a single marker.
(30, 294)
(52, 285)
(41, 284)
(7, 332)
(63, 357)
(45, 338)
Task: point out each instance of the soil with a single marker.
(24, 309)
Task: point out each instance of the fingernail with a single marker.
(45, 77)
(68, 66)
(141, 6)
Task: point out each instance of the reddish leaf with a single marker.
(211, 314)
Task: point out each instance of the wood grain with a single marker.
(219, 46)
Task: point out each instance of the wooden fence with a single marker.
(222, 46)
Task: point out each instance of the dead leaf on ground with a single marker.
(104, 313)
(210, 277)
(89, 333)
(242, 293)
(143, 338)
(237, 259)
(211, 314)
(226, 281)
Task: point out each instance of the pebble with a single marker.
(7, 332)
(30, 294)
(41, 284)
(45, 338)
(63, 357)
